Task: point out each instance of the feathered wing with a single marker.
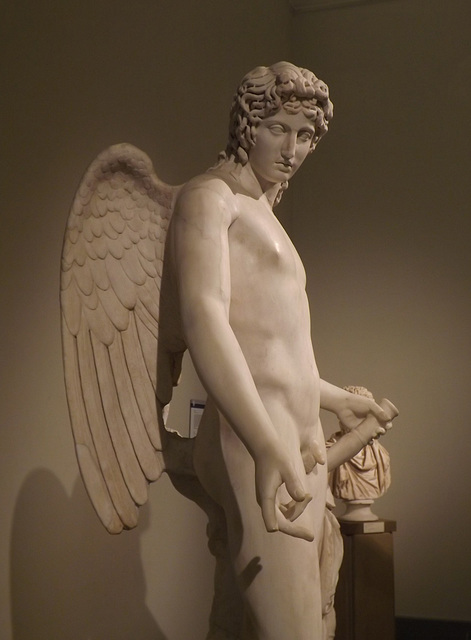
(112, 264)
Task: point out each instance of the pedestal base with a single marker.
(364, 601)
(358, 512)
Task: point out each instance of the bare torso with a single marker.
(269, 315)
(264, 305)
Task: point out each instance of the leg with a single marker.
(227, 611)
(278, 575)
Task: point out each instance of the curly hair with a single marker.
(263, 92)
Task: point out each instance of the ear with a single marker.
(251, 139)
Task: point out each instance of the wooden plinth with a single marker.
(364, 600)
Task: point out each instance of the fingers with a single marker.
(295, 530)
(268, 508)
(294, 486)
(293, 509)
(276, 520)
(317, 452)
(267, 485)
(381, 431)
(379, 413)
(282, 518)
(288, 513)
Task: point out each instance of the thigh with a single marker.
(278, 575)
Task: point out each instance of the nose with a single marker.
(289, 145)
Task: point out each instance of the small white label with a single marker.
(373, 527)
(196, 411)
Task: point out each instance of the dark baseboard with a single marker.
(419, 629)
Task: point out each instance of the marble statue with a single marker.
(149, 270)
(363, 477)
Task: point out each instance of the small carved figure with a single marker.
(149, 270)
(363, 477)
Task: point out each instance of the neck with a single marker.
(251, 184)
(257, 187)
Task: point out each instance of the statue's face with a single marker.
(282, 143)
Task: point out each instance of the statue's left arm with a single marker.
(350, 408)
(352, 442)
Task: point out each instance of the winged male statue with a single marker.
(149, 270)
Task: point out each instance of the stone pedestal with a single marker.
(364, 600)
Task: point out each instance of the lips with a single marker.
(285, 166)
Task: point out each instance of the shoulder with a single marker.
(208, 195)
(218, 189)
(201, 218)
(212, 182)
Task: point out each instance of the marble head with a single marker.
(266, 90)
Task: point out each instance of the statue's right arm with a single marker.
(200, 260)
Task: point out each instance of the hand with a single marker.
(371, 428)
(355, 408)
(312, 455)
(274, 469)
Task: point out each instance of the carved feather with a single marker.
(112, 264)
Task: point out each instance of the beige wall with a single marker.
(79, 76)
(379, 220)
(382, 221)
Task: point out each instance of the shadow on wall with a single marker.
(71, 580)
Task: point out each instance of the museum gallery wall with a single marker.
(387, 229)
